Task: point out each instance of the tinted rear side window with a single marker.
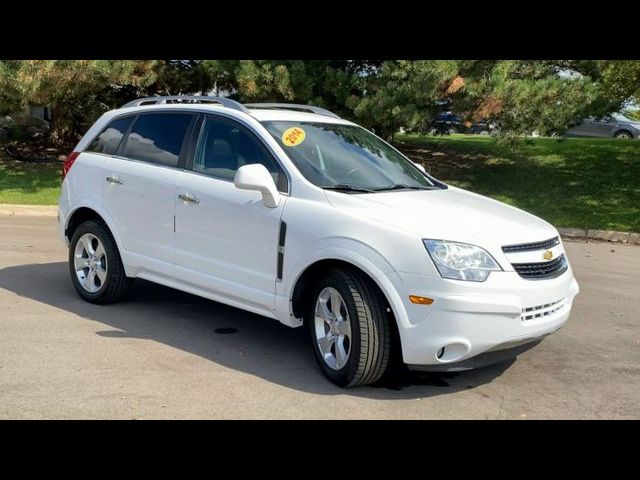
(107, 142)
(157, 138)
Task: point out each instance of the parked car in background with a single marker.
(612, 126)
(483, 127)
(448, 123)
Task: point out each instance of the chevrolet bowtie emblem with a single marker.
(548, 255)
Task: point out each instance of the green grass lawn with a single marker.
(29, 183)
(581, 183)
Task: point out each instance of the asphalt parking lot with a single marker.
(166, 354)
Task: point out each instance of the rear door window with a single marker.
(157, 138)
(109, 140)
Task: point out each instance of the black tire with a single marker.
(115, 286)
(623, 135)
(370, 348)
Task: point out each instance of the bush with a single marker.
(15, 132)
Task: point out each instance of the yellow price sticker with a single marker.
(293, 136)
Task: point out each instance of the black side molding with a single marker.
(281, 239)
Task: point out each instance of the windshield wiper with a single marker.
(401, 186)
(348, 188)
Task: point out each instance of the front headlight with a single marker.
(460, 261)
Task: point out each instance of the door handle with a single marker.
(188, 198)
(112, 179)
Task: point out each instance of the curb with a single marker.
(602, 235)
(29, 210)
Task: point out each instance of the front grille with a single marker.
(526, 247)
(541, 311)
(542, 270)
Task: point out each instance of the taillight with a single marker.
(68, 163)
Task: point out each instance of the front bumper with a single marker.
(467, 319)
(490, 357)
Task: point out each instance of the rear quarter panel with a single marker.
(83, 187)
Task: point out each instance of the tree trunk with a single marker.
(59, 126)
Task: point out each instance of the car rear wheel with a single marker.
(95, 265)
(349, 328)
(624, 135)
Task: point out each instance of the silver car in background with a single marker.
(611, 126)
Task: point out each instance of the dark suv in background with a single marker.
(448, 123)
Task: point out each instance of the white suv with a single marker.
(291, 212)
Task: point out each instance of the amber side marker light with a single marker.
(420, 300)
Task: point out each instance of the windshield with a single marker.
(345, 157)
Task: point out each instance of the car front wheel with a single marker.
(349, 328)
(624, 135)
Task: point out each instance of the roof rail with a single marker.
(293, 106)
(225, 102)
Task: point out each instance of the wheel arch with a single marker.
(623, 130)
(88, 212)
(302, 286)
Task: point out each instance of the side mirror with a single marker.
(257, 177)
(420, 167)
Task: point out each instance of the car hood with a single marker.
(628, 123)
(447, 214)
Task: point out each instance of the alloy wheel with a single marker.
(332, 328)
(90, 262)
